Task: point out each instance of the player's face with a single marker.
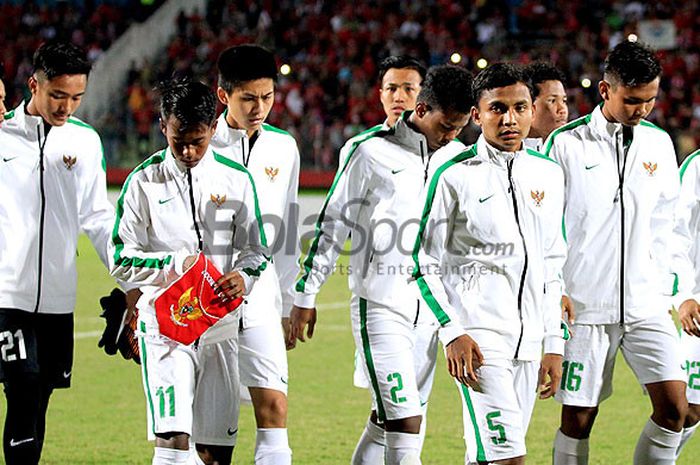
(628, 105)
(505, 115)
(3, 109)
(400, 87)
(188, 144)
(439, 127)
(56, 99)
(552, 110)
(249, 104)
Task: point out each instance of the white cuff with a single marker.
(304, 300)
(449, 333)
(554, 345)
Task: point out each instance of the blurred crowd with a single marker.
(332, 50)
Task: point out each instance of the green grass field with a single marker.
(102, 419)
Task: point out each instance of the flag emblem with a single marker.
(271, 173)
(69, 161)
(537, 196)
(218, 199)
(650, 167)
(188, 308)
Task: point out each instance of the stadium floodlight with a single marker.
(632, 37)
(455, 58)
(482, 63)
(585, 83)
(285, 69)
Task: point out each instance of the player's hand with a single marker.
(131, 298)
(568, 312)
(689, 316)
(189, 262)
(549, 376)
(463, 359)
(230, 286)
(300, 318)
(287, 329)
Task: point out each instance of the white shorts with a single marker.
(496, 419)
(385, 340)
(650, 347)
(193, 391)
(262, 357)
(690, 345)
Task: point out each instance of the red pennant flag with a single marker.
(189, 306)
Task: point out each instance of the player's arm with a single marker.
(339, 211)
(462, 353)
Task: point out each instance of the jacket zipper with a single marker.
(511, 189)
(425, 165)
(43, 213)
(194, 214)
(621, 197)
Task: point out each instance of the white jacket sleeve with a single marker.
(556, 330)
(288, 249)
(684, 237)
(132, 263)
(428, 252)
(249, 238)
(343, 203)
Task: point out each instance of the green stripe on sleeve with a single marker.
(422, 284)
(686, 163)
(567, 127)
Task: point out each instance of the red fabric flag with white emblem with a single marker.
(189, 306)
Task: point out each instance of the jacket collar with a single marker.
(407, 137)
(229, 135)
(28, 124)
(604, 128)
(491, 154)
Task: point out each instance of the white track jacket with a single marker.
(687, 229)
(273, 161)
(376, 197)
(166, 213)
(52, 187)
(620, 202)
(490, 249)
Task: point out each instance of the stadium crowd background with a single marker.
(332, 50)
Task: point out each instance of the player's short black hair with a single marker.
(58, 58)
(191, 102)
(400, 62)
(244, 63)
(447, 88)
(631, 64)
(498, 75)
(541, 71)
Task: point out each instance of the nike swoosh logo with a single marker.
(8, 159)
(67, 374)
(284, 380)
(165, 201)
(484, 199)
(592, 166)
(14, 443)
(397, 171)
(231, 433)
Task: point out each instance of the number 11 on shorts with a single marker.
(161, 394)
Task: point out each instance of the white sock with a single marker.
(656, 445)
(370, 447)
(686, 434)
(401, 448)
(165, 456)
(272, 447)
(569, 451)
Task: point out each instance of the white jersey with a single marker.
(376, 197)
(272, 158)
(490, 249)
(166, 213)
(620, 198)
(687, 227)
(53, 186)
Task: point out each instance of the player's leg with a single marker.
(262, 362)
(168, 375)
(425, 359)
(588, 366)
(493, 421)
(216, 403)
(690, 346)
(652, 350)
(385, 340)
(525, 374)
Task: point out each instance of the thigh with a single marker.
(217, 400)
(690, 346)
(385, 343)
(493, 420)
(262, 357)
(19, 356)
(525, 374)
(589, 362)
(652, 350)
(55, 349)
(425, 357)
(168, 374)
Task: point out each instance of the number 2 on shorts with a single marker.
(395, 390)
(161, 393)
(501, 438)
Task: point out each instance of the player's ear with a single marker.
(33, 83)
(421, 109)
(163, 127)
(223, 96)
(475, 116)
(604, 89)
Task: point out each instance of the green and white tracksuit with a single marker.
(490, 249)
(621, 190)
(376, 198)
(272, 158)
(166, 213)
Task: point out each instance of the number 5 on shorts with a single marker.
(501, 438)
(170, 392)
(395, 390)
